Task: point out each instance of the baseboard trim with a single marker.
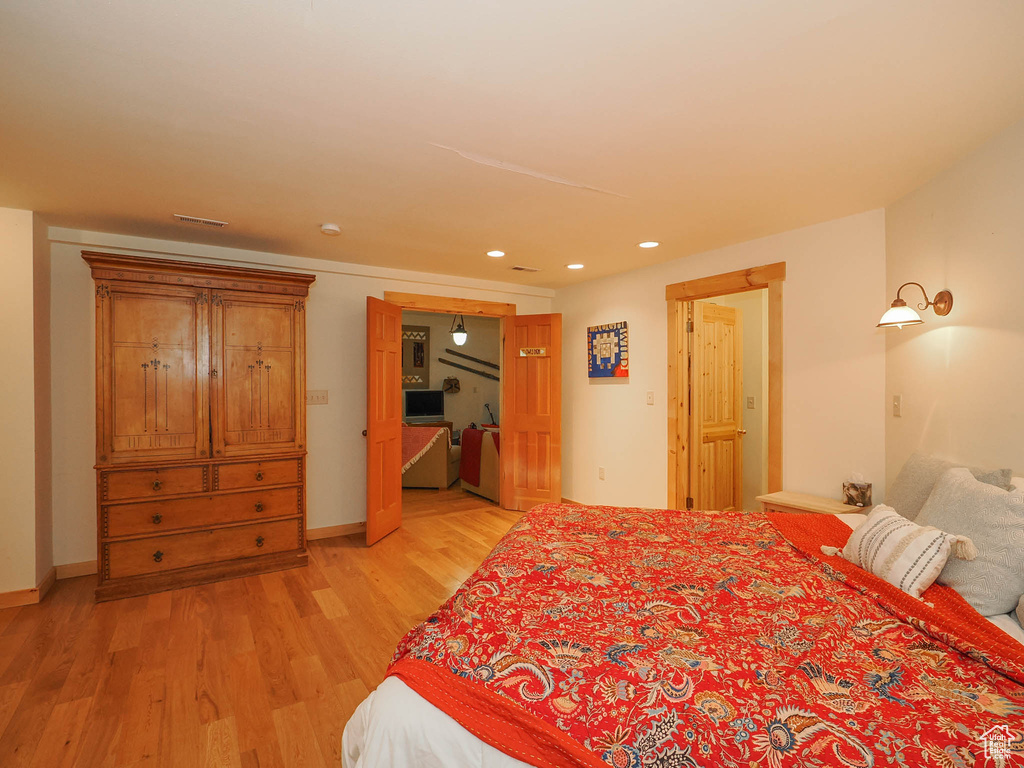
(72, 570)
(327, 532)
(29, 596)
(570, 501)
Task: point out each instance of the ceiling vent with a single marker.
(520, 268)
(197, 220)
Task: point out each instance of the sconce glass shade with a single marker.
(458, 331)
(899, 314)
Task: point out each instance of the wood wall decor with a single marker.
(200, 422)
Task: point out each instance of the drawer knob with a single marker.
(259, 541)
(157, 519)
(259, 475)
(158, 556)
(157, 485)
(259, 506)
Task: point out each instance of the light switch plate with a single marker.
(316, 397)
(600, 473)
(650, 397)
(750, 403)
(897, 406)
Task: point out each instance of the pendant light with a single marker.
(458, 330)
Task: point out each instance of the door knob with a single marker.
(741, 431)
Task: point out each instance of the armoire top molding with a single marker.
(139, 269)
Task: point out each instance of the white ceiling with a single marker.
(694, 122)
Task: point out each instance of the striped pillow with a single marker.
(907, 555)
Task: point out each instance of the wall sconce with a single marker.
(458, 330)
(899, 314)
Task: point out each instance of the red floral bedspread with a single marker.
(632, 637)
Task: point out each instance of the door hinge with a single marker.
(689, 502)
(689, 326)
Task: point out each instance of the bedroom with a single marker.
(915, 177)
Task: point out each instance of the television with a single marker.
(424, 404)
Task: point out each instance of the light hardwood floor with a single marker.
(260, 671)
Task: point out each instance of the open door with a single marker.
(531, 426)
(383, 418)
(716, 408)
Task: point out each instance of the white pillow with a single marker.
(1020, 610)
(907, 555)
(994, 519)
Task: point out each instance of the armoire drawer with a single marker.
(158, 516)
(150, 483)
(181, 550)
(252, 474)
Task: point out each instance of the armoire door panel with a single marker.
(152, 357)
(154, 399)
(259, 388)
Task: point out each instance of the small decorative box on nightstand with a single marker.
(788, 501)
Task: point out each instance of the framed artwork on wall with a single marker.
(415, 357)
(608, 351)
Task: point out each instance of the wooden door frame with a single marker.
(446, 305)
(769, 276)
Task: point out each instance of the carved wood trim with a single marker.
(138, 269)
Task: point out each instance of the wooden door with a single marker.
(383, 418)
(258, 373)
(716, 408)
(531, 426)
(152, 359)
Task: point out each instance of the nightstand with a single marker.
(788, 501)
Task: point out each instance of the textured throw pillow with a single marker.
(994, 520)
(913, 485)
(907, 555)
(1020, 610)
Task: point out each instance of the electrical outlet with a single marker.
(897, 406)
(650, 397)
(316, 397)
(600, 473)
(750, 403)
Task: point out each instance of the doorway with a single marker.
(451, 394)
(725, 389)
(529, 412)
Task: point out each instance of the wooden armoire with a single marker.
(200, 422)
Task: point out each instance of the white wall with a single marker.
(833, 368)
(17, 394)
(42, 385)
(336, 361)
(484, 342)
(960, 375)
(753, 306)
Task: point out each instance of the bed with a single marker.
(429, 460)
(596, 636)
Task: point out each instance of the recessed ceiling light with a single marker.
(495, 254)
(649, 244)
(574, 266)
(332, 230)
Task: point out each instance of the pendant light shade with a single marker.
(899, 314)
(458, 330)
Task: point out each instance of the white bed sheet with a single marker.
(394, 727)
